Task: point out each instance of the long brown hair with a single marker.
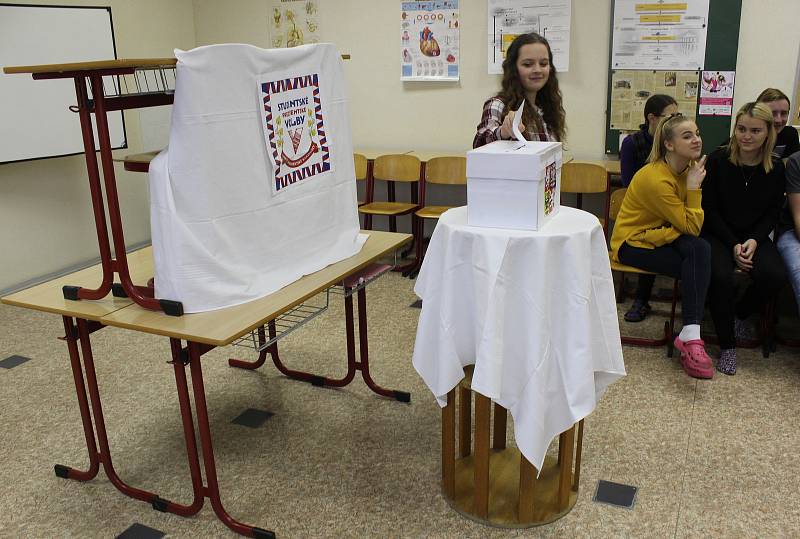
(548, 98)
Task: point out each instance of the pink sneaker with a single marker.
(694, 360)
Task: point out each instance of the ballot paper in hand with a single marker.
(515, 123)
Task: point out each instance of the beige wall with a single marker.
(46, 224)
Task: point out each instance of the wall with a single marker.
(388, 113)
(46, 222)
(768, 48)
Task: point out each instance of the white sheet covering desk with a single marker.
(533, 311)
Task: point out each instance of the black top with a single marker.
(792, 187)
(741, 202)
(634, 153)
(787, 142)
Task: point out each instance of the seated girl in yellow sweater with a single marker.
(659, 224)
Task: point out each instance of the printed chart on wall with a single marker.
(630, 90)
(510, 18)
(716, 93)
(293, 23)
(429, 48)
(659, 34)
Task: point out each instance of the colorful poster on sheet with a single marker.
(294, 129)
(716, 93)
(630, 90)
(659, 34)
(510, 18)
(429, 41)
(293, 23)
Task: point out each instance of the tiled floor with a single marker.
(711, 458)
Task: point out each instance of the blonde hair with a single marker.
(758, 111)
(664, 132)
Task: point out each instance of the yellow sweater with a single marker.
(657, 208)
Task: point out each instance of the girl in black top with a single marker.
(742, 198)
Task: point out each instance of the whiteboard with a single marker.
(35, 120)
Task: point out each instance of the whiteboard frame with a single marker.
(124, 134)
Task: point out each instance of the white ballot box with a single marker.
(513, 184)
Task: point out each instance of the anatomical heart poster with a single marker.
(429, 48)
(293, 23)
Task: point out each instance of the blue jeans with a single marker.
(789, 248)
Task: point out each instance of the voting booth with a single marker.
(514, 184)
(257, 187)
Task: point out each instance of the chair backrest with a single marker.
(446, 170)
(577, 177)
(361, 166)
(616, 203)
(396, 168)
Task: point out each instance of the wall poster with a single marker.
(510, 18)
(630, 90)
(659, 34)
(429, 40)
(716, 93)
(293, 23)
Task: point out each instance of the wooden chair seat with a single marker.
(619, 266)
(432, 212)
(387, 208)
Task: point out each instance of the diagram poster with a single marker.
(510, 18)
(429, 48)
(630, 90)
(659, 35)
(716, 93)
(293, 23)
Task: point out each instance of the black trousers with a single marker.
(767, 277)
(688, 258)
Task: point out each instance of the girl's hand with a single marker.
(744, 263)
(506, 131)
(697, 173)
(749, 248)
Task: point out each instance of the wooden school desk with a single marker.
(263, 320)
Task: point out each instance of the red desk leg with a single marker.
(140, 295)
(352, 364)
(212, 490)
(80, 389)
(103, 456)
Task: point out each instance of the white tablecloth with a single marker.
(533, 311)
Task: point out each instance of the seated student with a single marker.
(789, 233)
(528, 76)
(658, 228)
(742, 198)
(787, 141)
(632, 156)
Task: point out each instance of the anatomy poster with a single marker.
(659, 34)
(293, 23)
(630, 89)
(716, 93)
(510, 18)
(429, 37)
